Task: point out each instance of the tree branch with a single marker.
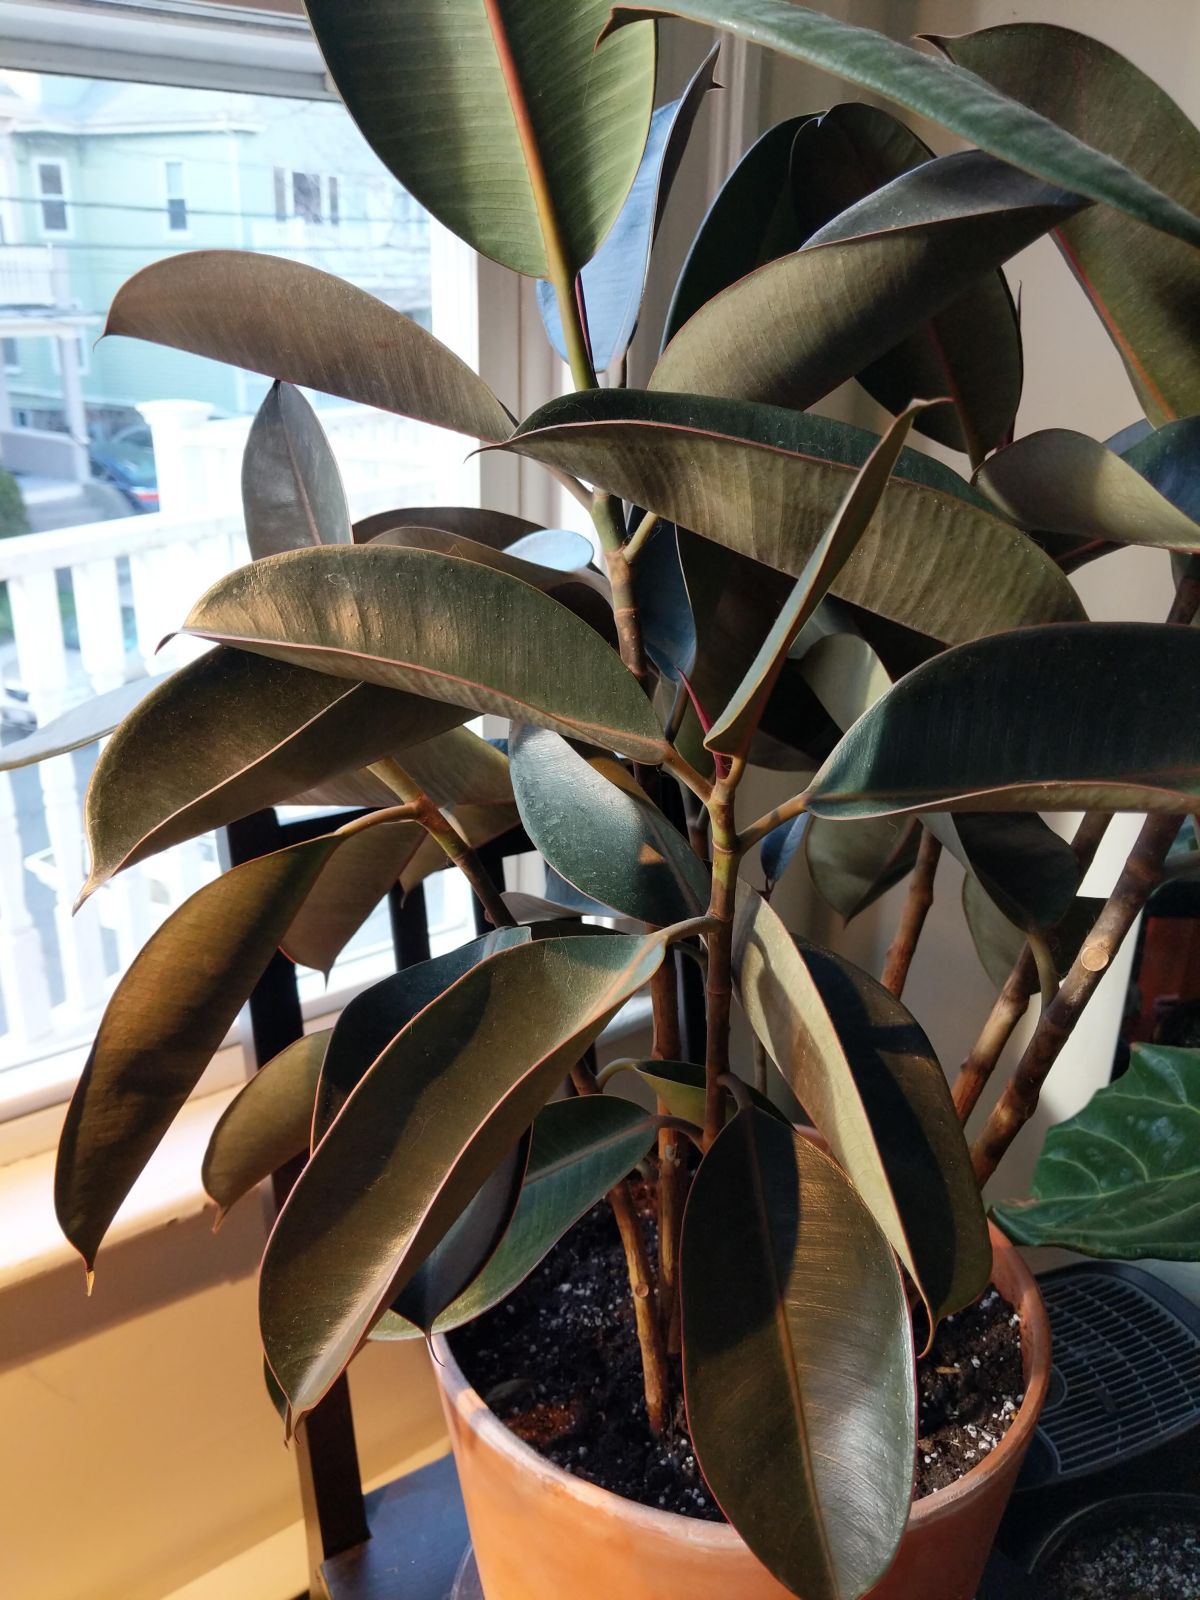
(448, 837)
(1140, 875)
(912, 918)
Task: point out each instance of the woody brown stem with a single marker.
(440, 829)
(912, 918)
(726, 854)
(1013, 1000)
(1140, 875)
(641, 1284)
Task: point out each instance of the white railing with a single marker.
(27, 276)
(131, 582)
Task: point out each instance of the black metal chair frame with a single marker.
(326, 1453)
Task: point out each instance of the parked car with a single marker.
(126, 461)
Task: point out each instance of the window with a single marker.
(244, 141)
(306, 196)
(177, 211)
(52, 192)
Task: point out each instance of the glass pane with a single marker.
(122, 465)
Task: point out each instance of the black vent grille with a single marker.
(1127, 1372)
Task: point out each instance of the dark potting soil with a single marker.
(558, 1362)
(1141, 1560)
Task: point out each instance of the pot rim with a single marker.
(933, 1508)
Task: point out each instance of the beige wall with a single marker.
(1073, 379)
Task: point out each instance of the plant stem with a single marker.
(625, 613)
(1013, 1000)
(448, 837)
(641, 1285)
(758, 831)
(727, 850)
(1140, 875)
(912, 918)
(637, 539)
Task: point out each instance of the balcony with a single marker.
(29, 277)
(89, 606)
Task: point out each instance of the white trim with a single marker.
(158, 41)
(172, 231)
(13, 366)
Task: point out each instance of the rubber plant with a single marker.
(775, 588)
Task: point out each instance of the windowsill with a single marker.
(169, 1191)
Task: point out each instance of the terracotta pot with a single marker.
(541, 1534)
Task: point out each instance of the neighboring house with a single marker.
(98, 180)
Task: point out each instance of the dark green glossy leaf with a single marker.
(162, 1026)
(267, 1124)
(1106, 723)
(350, 886)
(371, 1020)
(495, 528)
(469, 1244)
(232, 733)
(1169, 458)
(584, 592)
(734, 729)
(558, 548)
(780, 846)
(797, 1360)
(581, 1148)
(601, 832)
(867, 1075)
(1021, 863)
(972, 348)
(422, 1130)
(83, 725)
(614, 281)
(1122, 1178)
(765, 482)
(999, 942)
(291, 487)
(957, 100)
(297, 323)
(853, 863)
(876, 273)
(680, 1087)
(668, 631)
(517, 132)
(409, 619)
(1065, 483)
(1146, 289)
(459, 768)
(751, 221)
(846, 675)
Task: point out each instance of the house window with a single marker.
(306, 196)
(177, 211)
(12, 355)
(52, 195)
(281, 197)
(335, 203)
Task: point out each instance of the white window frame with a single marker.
(485, 313)
(172, 231)
(84, 350)
(42, 199)
(14, 365)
